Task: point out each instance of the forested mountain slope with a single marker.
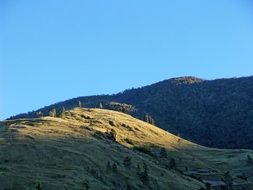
(214, 113)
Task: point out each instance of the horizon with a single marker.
(92, 48)
(131, 88)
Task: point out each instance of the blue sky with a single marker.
(55, 50)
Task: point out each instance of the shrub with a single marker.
(172, 164)
(145, 150)
(163, 153)
(115, 168)
(111, 134)
(249, 160)
(38, 186)
(52, 113)
(144, 173)
(129, 141)
(112, 123)
(127, 162)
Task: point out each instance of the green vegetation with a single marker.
(52, 113)
(214, 113)
(79, 104)
(82, 150)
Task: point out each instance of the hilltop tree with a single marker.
(62, 112)
(52, 113)
(149, 119)
(79, 104)
(39, 114)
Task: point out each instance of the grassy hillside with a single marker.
(103, 149)
(214, 113)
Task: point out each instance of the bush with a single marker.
(249, 160)
(127, 162)
(144, 173)
(145, 150)
(172, 164)
(111, 135)
(112, 123)
(129, 141)
(52, 113)
(163, 153)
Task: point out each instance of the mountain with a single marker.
(213, 113)
(104, 149)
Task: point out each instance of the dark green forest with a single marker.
(214, 113)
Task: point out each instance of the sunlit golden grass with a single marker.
(71, 151)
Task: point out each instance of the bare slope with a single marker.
(102, 149)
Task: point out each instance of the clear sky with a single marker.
(53, 50)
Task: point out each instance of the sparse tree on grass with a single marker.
(208, 186)
(86, 185)
(38, 186)
(138, 170)
(114, 167)
(39, 114)
(52, 113)
(144, 173)
(108, 166)
(127, 162)
(62, 113)
(128, 187)
(172, 164)
(112, 134)
(249, 160)
(163, 153)
(79, 104)
(228, 180)
(149, 119)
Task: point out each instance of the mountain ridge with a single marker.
(214, 113)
